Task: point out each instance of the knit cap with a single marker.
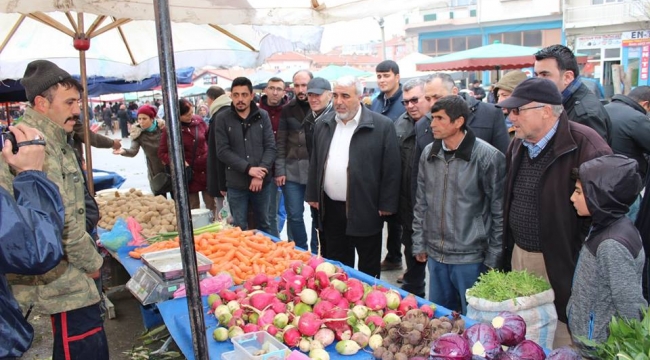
(510, 80)
(148, 110)
(40, 75)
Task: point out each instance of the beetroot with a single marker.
(354, 291)
(564, 353)
(527, 350)
(510, 328)
(483, 340)
(309, 324)
(331, 294)
(321, 279)
(376, 300)
(314, 261)
(450, 347)
(322, 307)
(291, 337)
(261, 300)
(408, 303)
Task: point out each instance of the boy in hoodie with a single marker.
(607, 280)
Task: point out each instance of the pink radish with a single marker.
(376, 300)
(309, 324)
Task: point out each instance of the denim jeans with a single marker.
(238, 201)
(449, 282)
(273, 205)
(294, 201)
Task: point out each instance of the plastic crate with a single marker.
(247, 345)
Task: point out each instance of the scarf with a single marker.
(571, 88)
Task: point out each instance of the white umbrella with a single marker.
(127, 49)
(254, 12)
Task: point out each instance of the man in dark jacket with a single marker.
(631, 126)
(218, 102)
(246, 145)
(558, 64)
(274, 101)
(123, 118)
(31, 226)
(417, 109)
(538, 162)
(389, 103)
(352, 177)
(320, 105)
(107, 117)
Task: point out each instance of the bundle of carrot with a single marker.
(243, 254)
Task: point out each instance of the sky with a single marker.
(360, 31)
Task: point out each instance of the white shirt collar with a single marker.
(355, 119)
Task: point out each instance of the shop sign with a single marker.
(636, 38)
(645, 57)
(598, 41)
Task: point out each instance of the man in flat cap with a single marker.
(67, 292)
(541, 231)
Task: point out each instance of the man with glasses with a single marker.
(273, 100)
(541, 231)
(417, 109)
(389, 104)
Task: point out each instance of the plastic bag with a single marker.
(135, 228)
(209, 285)
(224, 214)
(117, 237)
(537, 310)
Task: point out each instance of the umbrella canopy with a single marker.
(128, 49)
(253, 12)
(333, 72)
(490, 57)
(194, 90)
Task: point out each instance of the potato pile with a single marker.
(156, 214)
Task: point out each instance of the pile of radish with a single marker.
(310, 307)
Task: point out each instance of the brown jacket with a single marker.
(561, 231)
(149, 142)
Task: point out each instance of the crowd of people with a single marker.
(559, 197)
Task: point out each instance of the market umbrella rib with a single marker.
(232, 36)
(12, 32)
(47, 20)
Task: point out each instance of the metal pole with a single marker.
(86, 118)
(188, 253)
(383, 38)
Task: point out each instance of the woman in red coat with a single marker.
(194, 132)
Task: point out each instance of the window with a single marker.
(533, 38)
(429, 46)
(459, 44)
(443, 46)
(492, 38)
(513, 38)
(613, 53)
(430, 17)
(472, 13)
(474, 42)
(451, 14)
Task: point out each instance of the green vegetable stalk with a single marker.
(498, 286)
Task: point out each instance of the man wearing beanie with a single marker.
(541, 231)
(67, 292)
(505, 87)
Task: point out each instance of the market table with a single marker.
(175, 314)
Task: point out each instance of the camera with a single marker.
(5, 134)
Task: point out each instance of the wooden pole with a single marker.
(86, 117)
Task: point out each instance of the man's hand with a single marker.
(223, 193)
(95, 275)
(313, 204)
(256, 185)
(385, 213)
(257, 172)
(30, 156)
(280, 180)
(119, 151)
(117, 143)
(421, 257)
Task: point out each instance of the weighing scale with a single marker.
(162, 275)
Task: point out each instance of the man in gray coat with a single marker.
(458, 216)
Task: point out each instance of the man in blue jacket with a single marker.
(30, 232)
(389, 104)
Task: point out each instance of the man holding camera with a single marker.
(67, 292)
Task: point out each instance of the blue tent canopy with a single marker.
(12, 91)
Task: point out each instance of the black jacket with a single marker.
(561, 230)
(630, 135)
(584, 108)
(244, 143)
(291, 142)
(373, 171)
(216, 170)
(405, 129)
